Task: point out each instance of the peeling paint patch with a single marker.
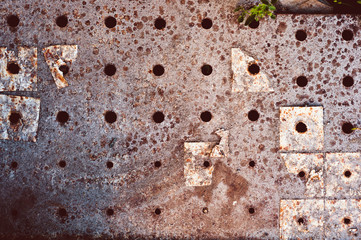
(309, 168)
(301, 219)
(19, 118)
(24, 76)
(57, 57)
(343, 175)
(197, 156)
(301, 128)
(243, 79)
(343, 219)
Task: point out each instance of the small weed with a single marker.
(257, 12)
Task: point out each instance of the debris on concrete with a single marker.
(343, 172)
(18, 73)
(58, 57)
(308, 167)
(19, 118)
(222, 149)
(301, 128)
(243, 79)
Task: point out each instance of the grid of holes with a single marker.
(158, 70)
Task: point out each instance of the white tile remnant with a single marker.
(25, 63)
(311, 164)
(19, 118)
(57, 56)
(301, 128)
(243, 80)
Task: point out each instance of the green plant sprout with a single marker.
(355, 128)
(257, 12)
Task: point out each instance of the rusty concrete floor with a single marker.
(99, 175)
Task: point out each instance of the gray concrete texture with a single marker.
(90, 178)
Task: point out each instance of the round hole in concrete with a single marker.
(110, 117)
(158, 70)
(205, 210)
(347, 173)
(110, 69)
(346, 220)
(251, 210)
(206, 116)
(110, 22)
(62, 164)
(62, 212)
(207, 23)
(253, 69)
(206, 164)
(62, 117)
(254, 24)
(158, 117)
(157, 211)
(13, 68)
(301, 174)
(14, 165)
(64, 69)
(61, 21)
(348, 81)
(252, 163)
(206, 69)
(14, 212)
(14, 118)
(13, 20)
(301, 81)
(301, 221)
(110, 212)
(301, 35)
(301, 127)
(157, 164)
(159, 23)
(253, 115)
(347, 35)
(110, 164)
(347, 127)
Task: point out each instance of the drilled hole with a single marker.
(253, 115)
(158, 70)
(110, 164)
(62, 212)
(251, 210)
(206, 69)
(206, 164)
(62, 21)
(64, 69)
(347, 173)
(14, 212)
(301, 81)
(14, 118)
(62, 164)
(110, 212)
(206, 116)
(14, 165)
(301, 127)
(157, 211)
(159, 23)
(301, 35)
(110, 116)
(110, 22)
(301, 174)
(205, 210)
(347, 128)
(347, 81)
(253, 69)
(347, 35)
(347, 221)
(13, 21)
(13, 68)
(110, 69)
(301, 221)
(207, 23)
(158, 117)
(254, 24)
(62, 117)
(252, 163)
(157, 164)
